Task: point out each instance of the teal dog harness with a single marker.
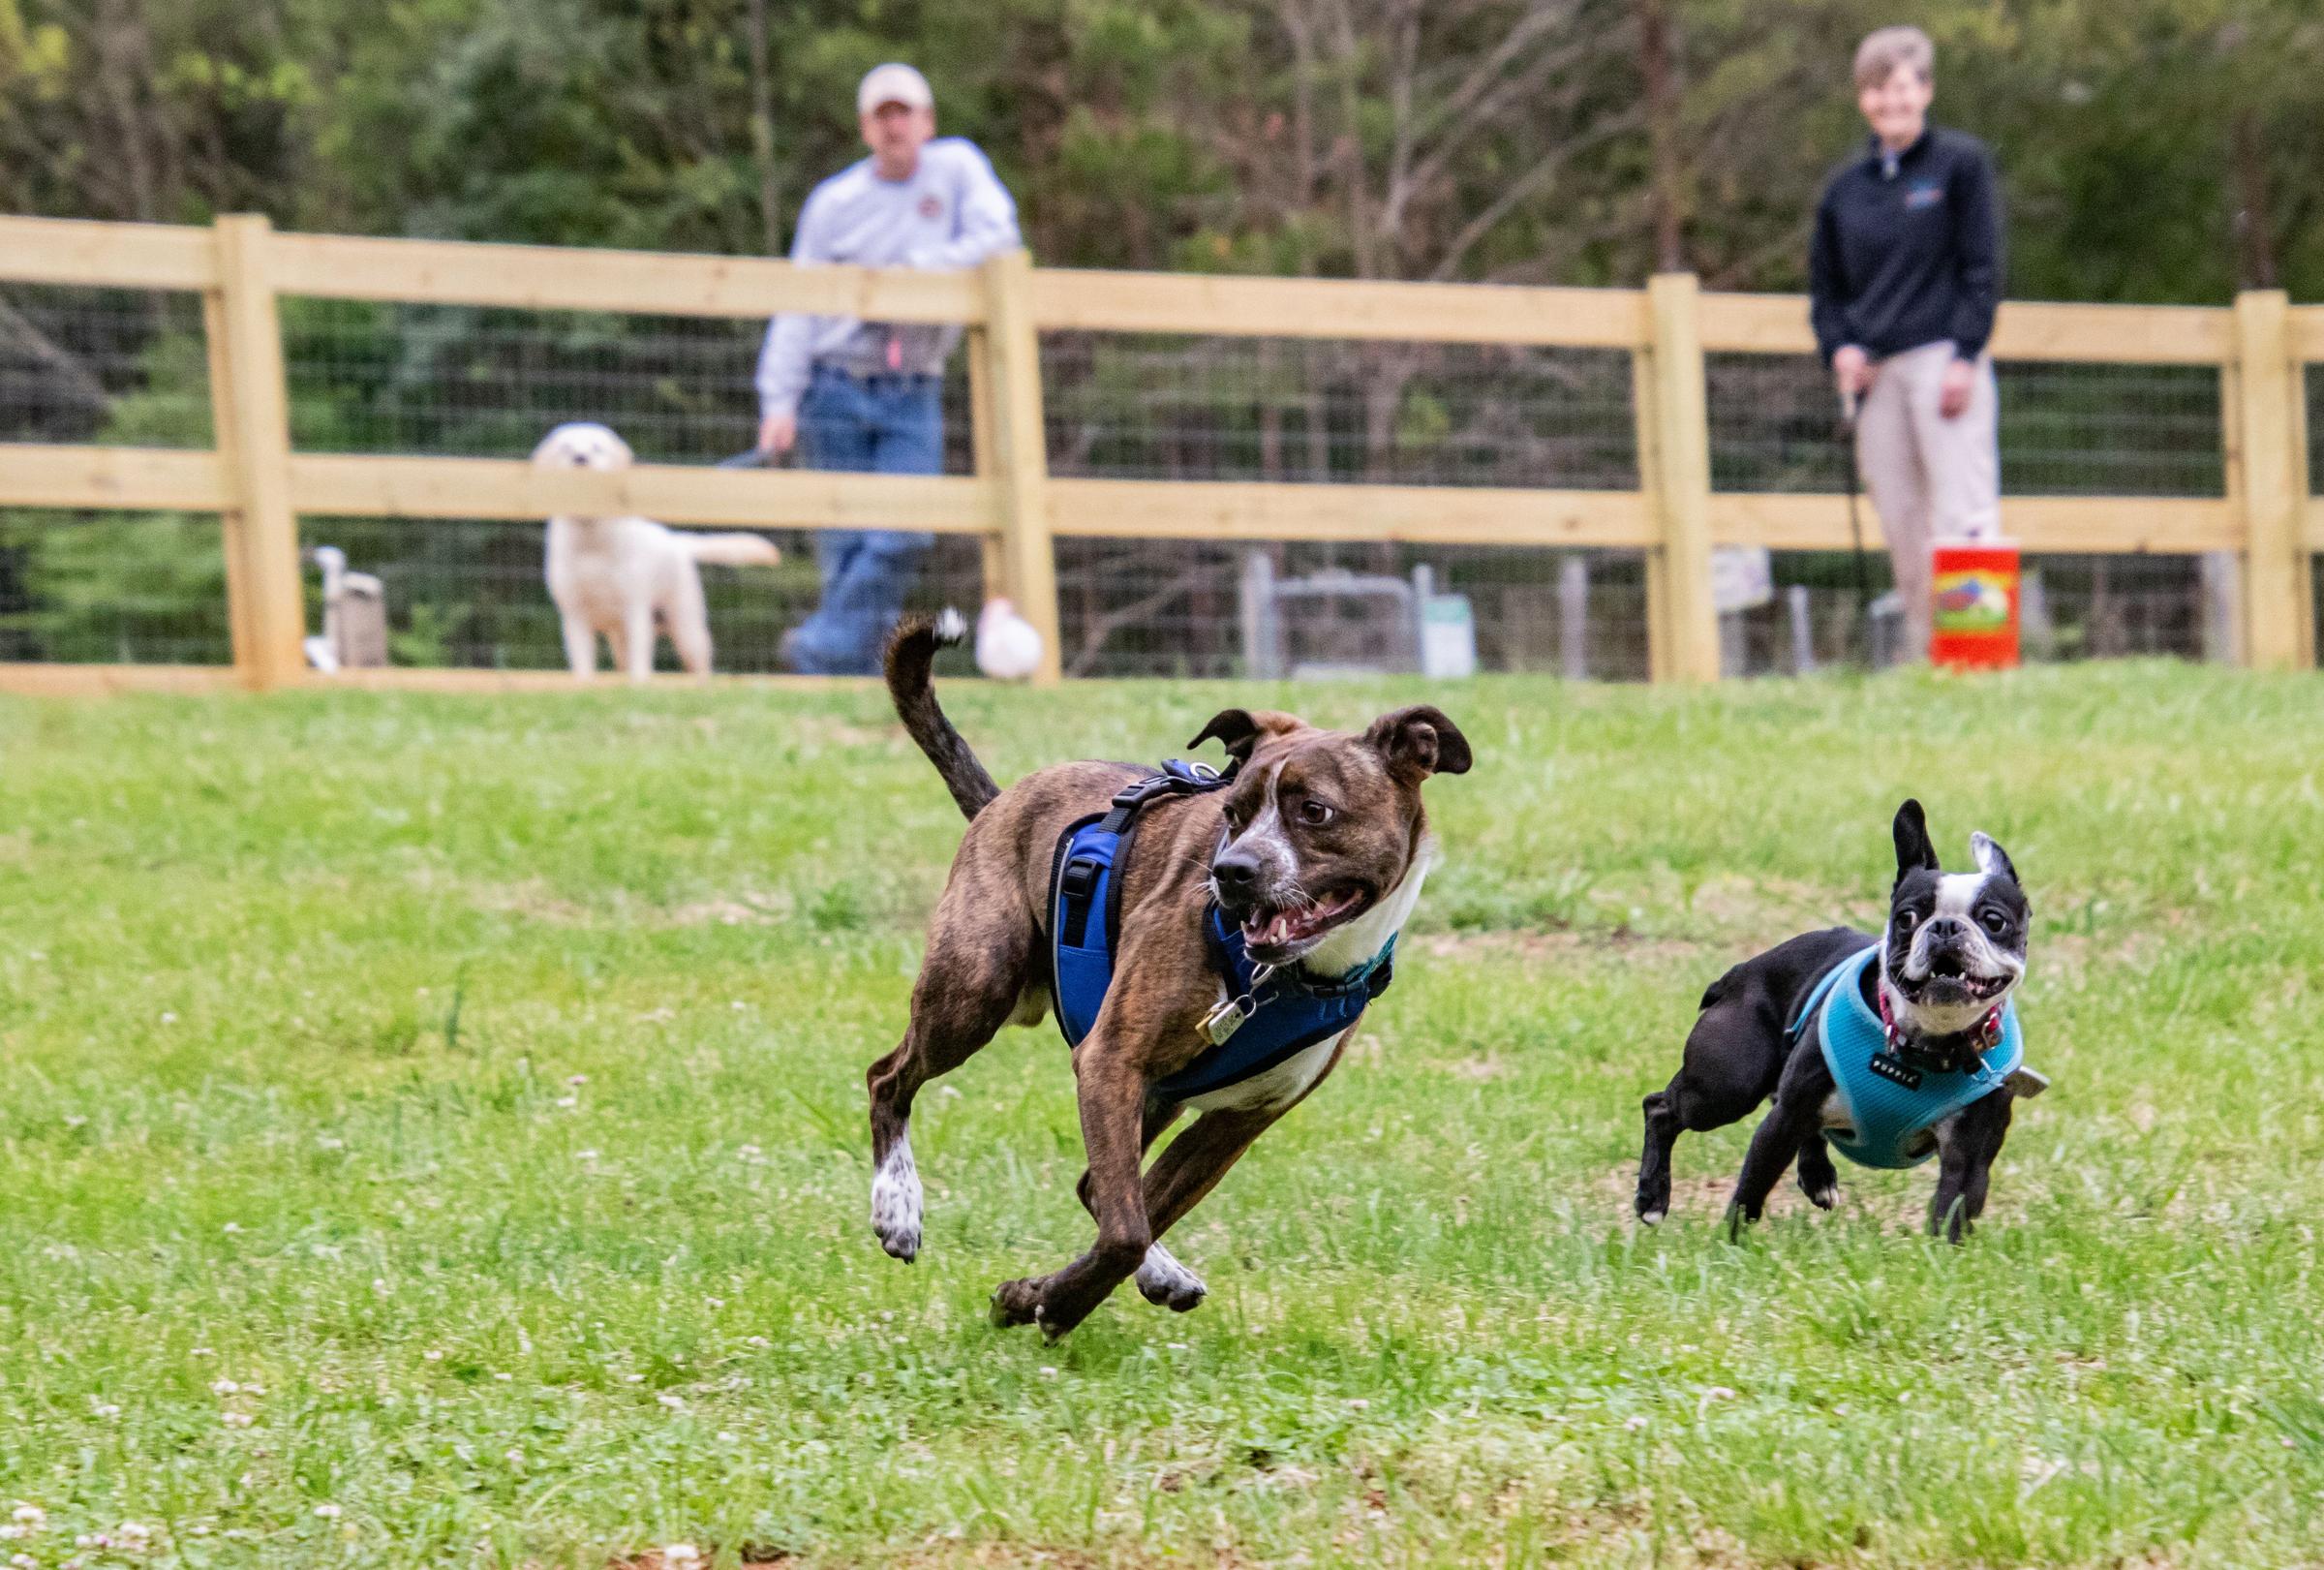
(1890, 1102)
(1269, 1017)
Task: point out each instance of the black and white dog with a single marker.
(1892, 1051)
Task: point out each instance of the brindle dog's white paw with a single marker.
(896, 1203)
(1168, 1285)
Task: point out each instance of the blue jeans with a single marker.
(882, 425)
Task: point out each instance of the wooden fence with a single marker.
(261, 487)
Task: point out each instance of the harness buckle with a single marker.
(1079, 878)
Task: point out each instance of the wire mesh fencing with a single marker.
(478, 383)
(2067, 429)
(130, 367)
(1299, 410)
(112, 588)
(102, 367)
(1278, 610)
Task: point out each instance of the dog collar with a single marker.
(1987, 1033)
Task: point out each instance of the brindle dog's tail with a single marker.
(911, 651)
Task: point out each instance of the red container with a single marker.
(1975, 621)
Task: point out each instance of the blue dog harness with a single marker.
(1271, 1016)
(1889, 1102)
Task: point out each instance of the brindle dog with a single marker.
(1318, 849)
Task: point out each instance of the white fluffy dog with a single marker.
(617, 575)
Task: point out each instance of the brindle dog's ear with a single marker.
(1913, 851)
(1421, 738)
(1241, 731)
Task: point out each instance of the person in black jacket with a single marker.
(1904, 275)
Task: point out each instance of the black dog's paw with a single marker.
(1824, 1199)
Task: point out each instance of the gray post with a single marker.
(1262, 658)
(1803, 632)
(1573, 616)
(2222, 607)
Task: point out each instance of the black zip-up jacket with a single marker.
(1908, 251)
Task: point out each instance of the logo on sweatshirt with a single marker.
(1923, 196)
(931, 205)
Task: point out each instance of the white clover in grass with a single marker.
(568, 1100)
(328, 1512)
(728, 1438)
(1358, 1403)
(504, 1379)
(715, 1303)
(1048, 1372)
(237, 1420)
(9, 1531)
(633, 1378)
(1635, 1421)
(23, 1562)
(514, 1458)
(224, 1387)
(576, 1079)
(29, 1515)
(106, 1409)
(674, 1554)
(756, 1341)
(201, 1351)
(169, 1019)
(585, 1155)
(330, 1142)
(134, 1534)
(675, 1404)
(233, 1226)
(431, 1355)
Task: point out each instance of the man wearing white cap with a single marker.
(866, 396)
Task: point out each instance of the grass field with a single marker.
(476, 1086)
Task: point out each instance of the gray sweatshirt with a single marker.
(951, 214)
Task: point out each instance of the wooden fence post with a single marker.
(1674, 469)
(1027, 549)
(983, 447)
(249, 402)
(2269, 475)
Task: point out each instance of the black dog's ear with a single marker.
(1990, 857)
(1241, 731)
(1914, 853)
(1421, 738)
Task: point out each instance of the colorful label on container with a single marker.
(1973, 600)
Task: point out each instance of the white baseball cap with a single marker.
(894, 83)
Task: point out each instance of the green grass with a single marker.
(296, 995)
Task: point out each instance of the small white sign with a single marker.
(1742, 579)
(1448, 637)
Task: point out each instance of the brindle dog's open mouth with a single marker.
(1949, 981)
(1276, 929)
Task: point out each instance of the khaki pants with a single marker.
(1930, 477)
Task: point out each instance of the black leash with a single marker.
(1856, 523)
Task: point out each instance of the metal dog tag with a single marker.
(2025, 1084)
(1227, 1018)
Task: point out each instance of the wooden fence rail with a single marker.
(260, 485)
